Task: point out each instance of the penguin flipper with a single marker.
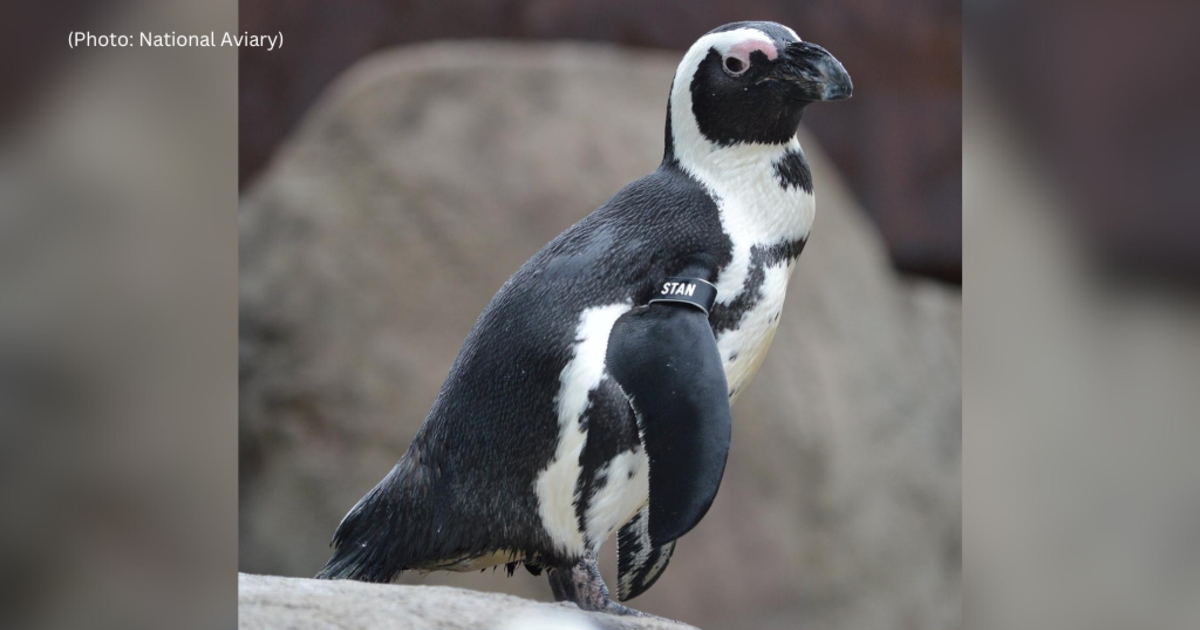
(639, 562)
(665, 358)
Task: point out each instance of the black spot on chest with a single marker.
(792, 171)
(727, 316)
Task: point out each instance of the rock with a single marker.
(269, 602)
(423, 179)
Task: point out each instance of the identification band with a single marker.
(694, 291)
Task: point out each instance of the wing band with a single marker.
(693, 291)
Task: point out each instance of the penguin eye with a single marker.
(734, 66)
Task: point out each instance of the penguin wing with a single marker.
(665, 358)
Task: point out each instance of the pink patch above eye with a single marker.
(742, 49)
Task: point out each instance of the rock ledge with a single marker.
(272, 602)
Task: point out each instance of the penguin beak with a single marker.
(813, 74)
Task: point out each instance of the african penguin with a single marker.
(593, 394)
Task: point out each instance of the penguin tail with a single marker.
(381, 536)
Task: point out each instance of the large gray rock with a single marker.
(424, 178)
(272, 602)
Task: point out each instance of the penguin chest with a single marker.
(766, 218)
(747, 324)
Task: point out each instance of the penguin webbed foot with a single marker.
(582, 585)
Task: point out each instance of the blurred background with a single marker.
(400, 160)
(1081, 337)
(118, 320)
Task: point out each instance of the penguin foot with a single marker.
(583, 586)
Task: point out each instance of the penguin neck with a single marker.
(745, 181)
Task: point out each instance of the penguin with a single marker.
(593, 394)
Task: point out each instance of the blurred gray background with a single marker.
(425, 175)
(118, 320)
(1081, 336)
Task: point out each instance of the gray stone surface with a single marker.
(272, 603)
(424, 178)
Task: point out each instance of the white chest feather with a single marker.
(744, 347)
(755, 208)
(759, 215)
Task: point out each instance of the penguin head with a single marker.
(748, 83)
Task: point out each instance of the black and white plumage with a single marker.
(575, 408)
